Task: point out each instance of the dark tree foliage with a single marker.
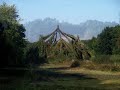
(107, 42)
(32, 55)
(12, 36)
(35, 53)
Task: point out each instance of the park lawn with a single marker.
(61, 77)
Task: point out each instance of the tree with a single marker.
(12, 37)
(104, 42)
(108, 42)
(116, 40)
(32, 55)
(36, 53)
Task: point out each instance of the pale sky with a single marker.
(72, 11)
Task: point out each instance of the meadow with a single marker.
(58, 77)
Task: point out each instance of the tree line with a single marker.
(15, 50)
(107, 42)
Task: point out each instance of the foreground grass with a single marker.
(59, 77)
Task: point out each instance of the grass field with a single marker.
(58, 77)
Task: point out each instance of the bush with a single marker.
(33, 57)
(89, 65)
(101, 59)
(75, 63)
(100, 66)
(106, 59)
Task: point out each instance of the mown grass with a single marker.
(59, 77)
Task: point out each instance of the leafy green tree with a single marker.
(36, 53)
(42, 48)
(32, 55)
(91, 45)
(12, 37)
(107, 42)
(116, 40)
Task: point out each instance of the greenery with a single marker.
(107, 42)
(105, 48)
(75, 63)
(35, 53)
(14, 49)
(57, 77)
(82, 59)
(12, 37)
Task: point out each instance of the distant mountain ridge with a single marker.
(85, 30)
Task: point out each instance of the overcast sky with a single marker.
(73, 11)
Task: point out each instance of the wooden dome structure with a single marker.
(59, 42)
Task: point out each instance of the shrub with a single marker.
(106, 59)
(89, 65)
(100, 59)
(100, 66)
(75, 63)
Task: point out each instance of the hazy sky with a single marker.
(73, 11)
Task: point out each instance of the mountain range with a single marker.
(86, 30)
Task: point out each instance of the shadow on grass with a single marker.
(53, 72)
(53, 79)
(7, 76)
(47, 79)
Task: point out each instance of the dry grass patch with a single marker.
(111, 81)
